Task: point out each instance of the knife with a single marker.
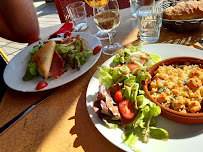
(11, 122)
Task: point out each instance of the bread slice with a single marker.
(184, 11)
(44, 57)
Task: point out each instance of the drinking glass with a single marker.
(135, 4)
(78, 15)
(99, 4)
(149, 19)
(107, 19)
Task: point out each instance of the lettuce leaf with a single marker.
(120, 74)
(154, 59)
(105, 76)
(31, 71)
(130, 138)
(148, 111)
(142, 76)
(110, 125)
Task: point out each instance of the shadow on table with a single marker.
(172, 37)
(87, 135)
(189, 39)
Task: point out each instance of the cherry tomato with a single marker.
(96, 49)
(67, 33)
(118, 96)
(127, 109)
(132, 66)
(41, 85)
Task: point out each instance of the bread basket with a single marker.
(180, 25)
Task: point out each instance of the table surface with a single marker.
(62, 123)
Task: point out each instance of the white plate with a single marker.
(16, 68)
(182, 137)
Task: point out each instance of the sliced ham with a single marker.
(68, 40)
(57, 66)
(105, 104)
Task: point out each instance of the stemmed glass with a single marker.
(107, 19)
(99, 4)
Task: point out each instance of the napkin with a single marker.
(66, 27)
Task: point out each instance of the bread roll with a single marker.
(184, 11)
(44, 57)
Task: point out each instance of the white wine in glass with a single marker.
(99, 4)
(107, 19)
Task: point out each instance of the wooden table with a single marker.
(62, 123)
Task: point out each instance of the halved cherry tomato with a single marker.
(127, 109)
(118, 96)
(96, 49)
(132, 66)
(41, 85)
(67, 33)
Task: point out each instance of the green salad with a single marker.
(121, 100)
(72, 51)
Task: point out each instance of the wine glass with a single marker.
(107, 19)
(99, 4)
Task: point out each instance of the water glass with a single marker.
(135, 4)
(149, 19)
(77, 14)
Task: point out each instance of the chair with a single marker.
(3, 62)
(123, 4)
(62, 11)
(63, 14)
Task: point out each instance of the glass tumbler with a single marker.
(77, 14)
(135, 4)
(149, 19)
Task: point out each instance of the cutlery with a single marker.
(200, 42)
(77, 30)
(12, 121)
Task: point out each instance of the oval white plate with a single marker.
(182, 137)
(16, 68)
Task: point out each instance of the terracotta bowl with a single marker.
(187, 118)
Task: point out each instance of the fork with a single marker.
(200, 42)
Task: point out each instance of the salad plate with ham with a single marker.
(52, 62)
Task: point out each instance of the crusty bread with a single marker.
(44, 57)
(184, 11)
